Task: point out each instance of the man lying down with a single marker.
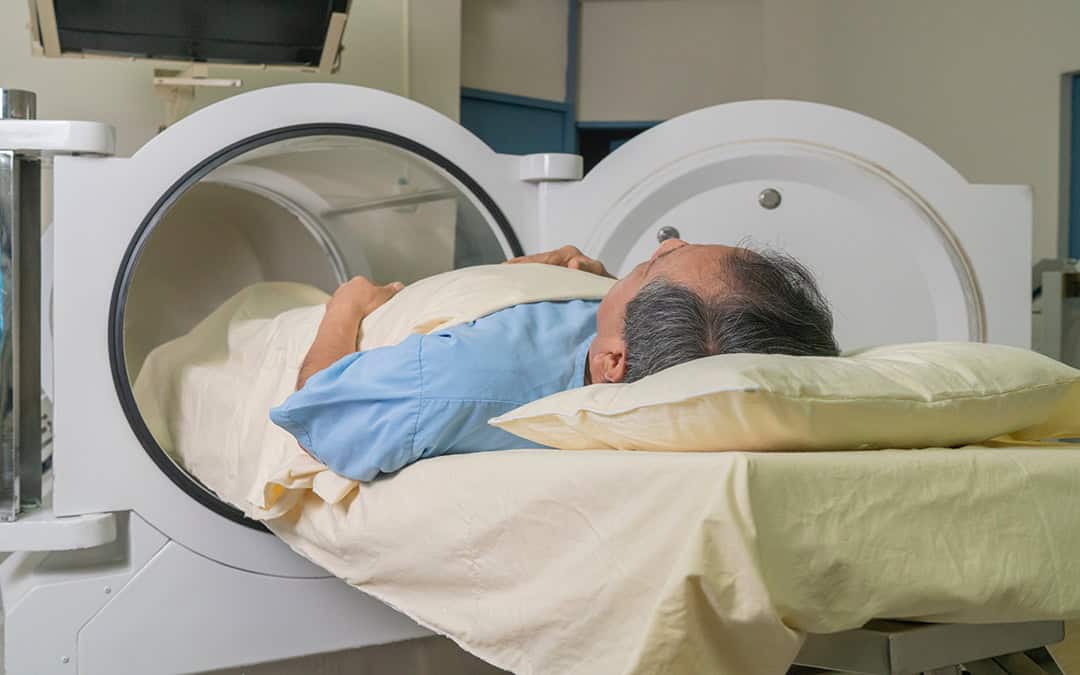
(372, 412)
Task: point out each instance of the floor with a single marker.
(440, 656)
(425, 656)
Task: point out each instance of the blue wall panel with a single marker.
(514, 128)
(1074, 173)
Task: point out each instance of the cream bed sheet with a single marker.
(609, 562)
(605, 562)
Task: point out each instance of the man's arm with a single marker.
(340, 326)
(567, 256)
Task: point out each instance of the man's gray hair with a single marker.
(770, 304)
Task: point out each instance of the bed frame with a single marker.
(908, 648)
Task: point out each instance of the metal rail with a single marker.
(20, 319)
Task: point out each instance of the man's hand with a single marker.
(362, 297)
(567, 256)
(338, 331)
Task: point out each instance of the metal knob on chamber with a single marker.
(769, 198)
(667, 232)
(17, 104)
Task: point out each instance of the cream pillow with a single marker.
(906, 396)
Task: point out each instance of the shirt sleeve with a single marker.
(360, 416)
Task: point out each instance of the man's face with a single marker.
(692, 265)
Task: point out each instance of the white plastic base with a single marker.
(41, 530)
(145, 605)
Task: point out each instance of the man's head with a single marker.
(690, 301)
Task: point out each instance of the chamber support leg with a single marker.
(1031, 662)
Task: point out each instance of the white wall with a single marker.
(120, 92)
(515, 47)
(978, 81)
(654, 59)
(374, 54)
(434, 54)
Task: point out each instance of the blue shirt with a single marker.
(377, 411)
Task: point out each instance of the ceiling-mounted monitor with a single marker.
(302, 34)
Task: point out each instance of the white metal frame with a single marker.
(93, 223)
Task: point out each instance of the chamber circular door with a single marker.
(890, 268)
(885, 225)
(314, 204)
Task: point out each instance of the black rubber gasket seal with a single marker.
(127, 267)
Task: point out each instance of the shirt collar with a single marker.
(581, 356)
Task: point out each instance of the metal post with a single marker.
(1053, 313)
(20, 319)
(16, 104)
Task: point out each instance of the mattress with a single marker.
(608, 562)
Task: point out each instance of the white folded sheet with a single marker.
(605, 562)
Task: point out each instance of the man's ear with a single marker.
(610, 363)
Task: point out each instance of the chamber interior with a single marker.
(316, 209)
(299, 207)
(312, 209)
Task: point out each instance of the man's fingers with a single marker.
(395, 286)
(586, 264)
(567, 256)
(542, 258)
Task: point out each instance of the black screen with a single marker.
(280, 32)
